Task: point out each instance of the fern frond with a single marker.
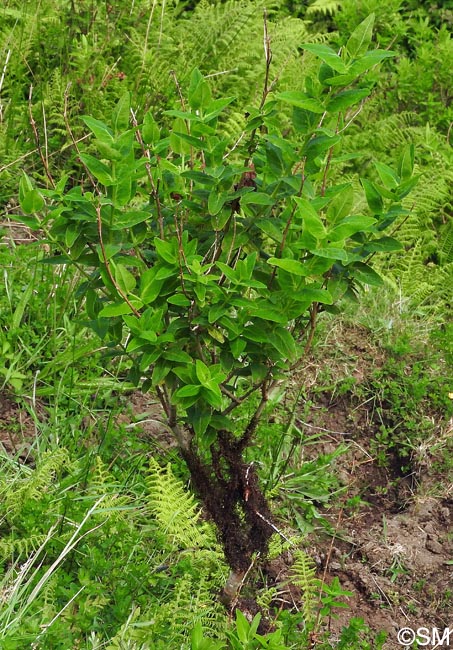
(23, 547)
(192, 601)
(446, 242)
(32, 487)
(324, 7)
(175, 510)
(114, 505)
(304, 576)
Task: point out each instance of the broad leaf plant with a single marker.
(207, 260)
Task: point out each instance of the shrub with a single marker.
(208, 261)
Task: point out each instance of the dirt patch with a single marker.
(15, 232)
(397, 567)
(17, 429)
(144, 414)
(393, 546)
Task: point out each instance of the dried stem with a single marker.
(314, 310)
(44, 160)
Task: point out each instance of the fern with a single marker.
(446, 242)
(304, 576)
(33, 487)
(114, 505)
(175, 510)
(324, 7)
(20, 547)
(192, 601)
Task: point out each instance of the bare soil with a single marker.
(394, 550)
(17, 429)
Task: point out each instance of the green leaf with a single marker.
(124, 220)
(121, 114)
(32, 222)
(360, 38)
(330, 253)
(228, 272)
(29, 198)
(25, 185)
(32, 202)
(301, 100)
(271, 228)
(242, 627)
(304, 121)
(216, 201)
(341, 204)
(290, 266)
(384, 245)
(328, 55)
(100, 171)
(100, 130)
(178, 144)
(200, 421)
(310, 295)
(71, 234)
(150, 130)
(265, 310)
(197, 143)
(109, 251)
(284, 343)
(373, 197)
(122, 191)
(312, 221)
(179, 300)
(321, 143)
(257, 198)
(406, 162)
(107, 152)
(165, 250)
(178, 356)
(150, 287)
(199, 91)
(350, 226)
(202, 372)
(117, 309)
(388, 177)
(406, 187)
(216, 107)
(216, 312)
(368, 60)
(346, 99)
(188, 391)
(364, 273)
(160, 371)
(124, 278)
(200, 177)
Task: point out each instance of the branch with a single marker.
(107, 265)
(154, 187)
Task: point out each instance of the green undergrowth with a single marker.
(103, 546)
(102, 553)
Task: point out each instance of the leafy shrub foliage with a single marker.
(213, 285)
